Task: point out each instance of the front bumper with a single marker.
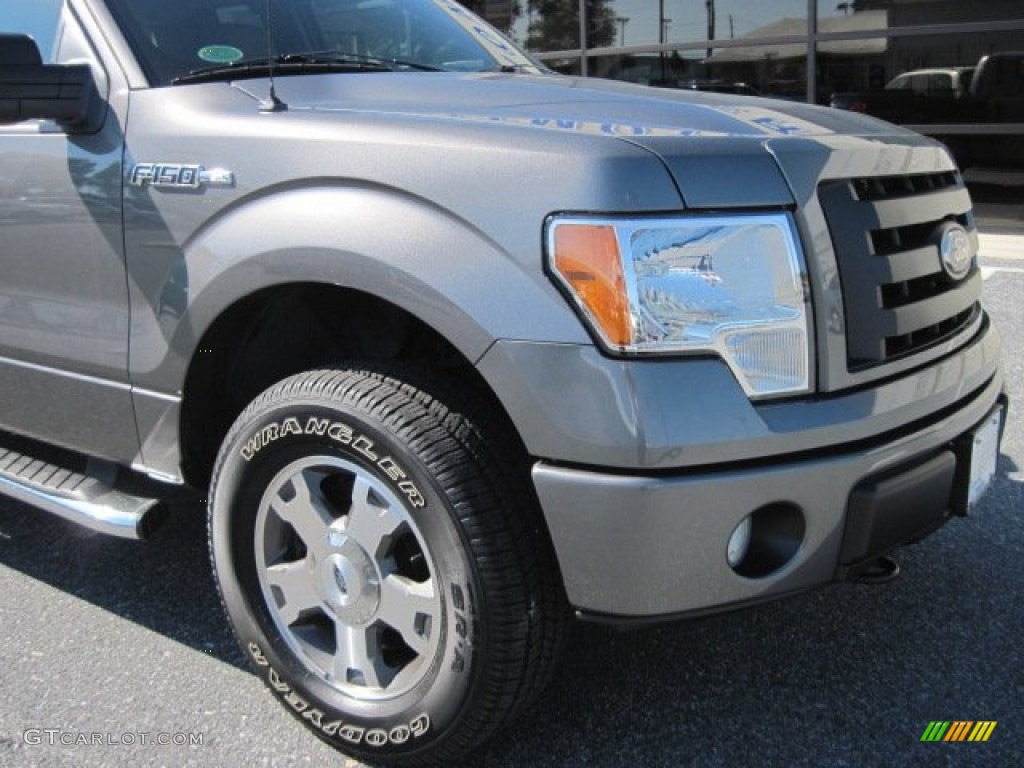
(635, 547)
(647, 537)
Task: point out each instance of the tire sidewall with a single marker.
(264, 441)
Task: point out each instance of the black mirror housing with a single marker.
(31, 90)
(19, 51)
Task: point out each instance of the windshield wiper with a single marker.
(300, 63)
(345, 57)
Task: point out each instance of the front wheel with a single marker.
(381, 558)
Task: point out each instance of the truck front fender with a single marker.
(378, 241)
(398, 248)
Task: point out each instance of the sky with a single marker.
(31, 16)
(689, 18)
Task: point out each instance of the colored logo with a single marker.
(220, 54)
(958, 730)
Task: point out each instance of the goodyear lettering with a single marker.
(376, 737)
(276, 682)
(343, 434)
(353, 734)
(331, 729)
(315, 716)
(298, 703)
(257, 655)
(419, 726)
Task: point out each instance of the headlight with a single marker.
(733, 286)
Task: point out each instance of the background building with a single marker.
(822, 51)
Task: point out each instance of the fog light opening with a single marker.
(766, 540)
(739, 542)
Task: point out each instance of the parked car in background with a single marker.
(920, 96)
(990, 92)
(719, 86)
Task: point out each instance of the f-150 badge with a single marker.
(177, 176)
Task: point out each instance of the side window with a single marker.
(901, 83)
(37, 18)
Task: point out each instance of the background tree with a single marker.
(555, 25)
(502, 14)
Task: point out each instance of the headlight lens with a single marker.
(730, 285)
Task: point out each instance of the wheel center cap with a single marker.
(345, 574)
(348, 582)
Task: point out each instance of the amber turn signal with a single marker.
(588, 260)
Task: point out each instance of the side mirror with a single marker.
(31, 90)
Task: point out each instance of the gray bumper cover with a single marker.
(647, 536)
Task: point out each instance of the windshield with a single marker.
(175, 38)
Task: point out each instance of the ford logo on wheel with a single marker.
(955, 251)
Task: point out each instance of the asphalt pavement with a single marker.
(122, 645)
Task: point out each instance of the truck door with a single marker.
(64, 313)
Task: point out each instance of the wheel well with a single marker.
(282, 331)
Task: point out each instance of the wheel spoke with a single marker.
(371, 520)
(303, 511)
(359, 659)
(294, 585)
(410, 608)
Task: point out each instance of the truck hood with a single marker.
(557, 103)
(721, 150)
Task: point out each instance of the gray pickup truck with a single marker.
(461, 347)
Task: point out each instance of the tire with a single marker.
(382, 559)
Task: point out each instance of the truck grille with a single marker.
(897, 296)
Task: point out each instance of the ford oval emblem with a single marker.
(955, 250)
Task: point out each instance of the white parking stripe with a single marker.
(987, 272)
(1001, 246)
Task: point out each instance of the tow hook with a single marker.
(881, 570)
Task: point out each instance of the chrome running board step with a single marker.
(89, 498)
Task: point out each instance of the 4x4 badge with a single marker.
(177, 176)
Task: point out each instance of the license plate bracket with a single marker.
(983, 456)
